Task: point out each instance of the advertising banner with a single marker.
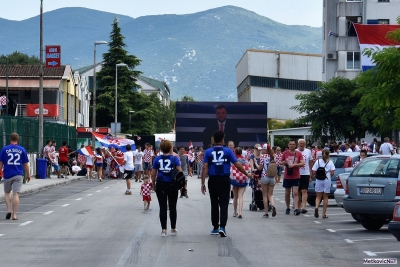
(49, 110)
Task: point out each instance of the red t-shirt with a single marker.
(63, 154)
(289, 158)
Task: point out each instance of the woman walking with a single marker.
(99, 163)
(167, 194)
(323, 181)
(269, 171)
(239, 182)
(255, 160)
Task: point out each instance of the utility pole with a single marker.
(41, 82)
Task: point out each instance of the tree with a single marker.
(164, 116)
(19, 58)
(279, 140)
(128, 99)
(330, 111)
(187, 99)
(378, 88)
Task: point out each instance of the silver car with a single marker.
(341, 187)
(373, 189)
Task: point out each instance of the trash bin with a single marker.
(41, 166)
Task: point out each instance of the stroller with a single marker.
(256, 195)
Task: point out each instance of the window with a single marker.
(382, 1)
(383, 21)
(353, 0)
(351, 31)
(353, 61)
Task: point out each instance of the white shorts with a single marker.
(323, 186)
(138, 167)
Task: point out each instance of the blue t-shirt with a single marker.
(164, 164)
(13, 158)
(219, 160)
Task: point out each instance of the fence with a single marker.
(28, 130)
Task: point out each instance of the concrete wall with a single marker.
(382, 10)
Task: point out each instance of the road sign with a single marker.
(53, 56)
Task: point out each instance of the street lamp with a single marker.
(94, 92)
(130, 115)
(116, 93)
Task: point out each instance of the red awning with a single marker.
(29, 84)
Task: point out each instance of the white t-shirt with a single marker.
(307, 156)
(328, 168)
(76, 169)
(89, 160)
(128, 157)
(138, 155)
(244, 153)
(357, 148)
(386, 148)
(349, 150)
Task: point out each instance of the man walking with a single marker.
(217, 163)
(15, 161)
(305, 174)
(386, 148)
(293, 160)
(46, 155)
(63, 153)
(129, 166)
(147, 156)
(186, 168)
(138, 163)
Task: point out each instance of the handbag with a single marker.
(178, 177)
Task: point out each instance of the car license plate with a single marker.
(371, 190)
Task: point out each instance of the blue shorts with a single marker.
(56, 167)
(99, 164)
(190, 163)
(234, 183)
(146, 166)
(280, 168)
(289, 183)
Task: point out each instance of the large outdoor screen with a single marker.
(243, 123)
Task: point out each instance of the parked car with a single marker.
(373, 189)
(342, 161)
(394, 225)
(341, 186)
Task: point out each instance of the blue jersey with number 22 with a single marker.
(219, 160)
(13, 158)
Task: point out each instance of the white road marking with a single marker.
(369, 253)
(78, 198)
(345, 229)
(373, 254)
(65, 205)
(369, 239)
(90, 195)
(105, 187)
(282, 201)
(317, 222)
(47, 213)
(1, 234)
(306, 215)
(331, 230)
(98, 191)
(25, 223)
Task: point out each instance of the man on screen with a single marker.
(221, 124)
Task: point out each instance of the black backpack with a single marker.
(178, 177)
(320, 174)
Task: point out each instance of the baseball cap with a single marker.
(265, 146)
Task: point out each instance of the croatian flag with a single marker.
(86, 151)
(110, 141)
(373, 36)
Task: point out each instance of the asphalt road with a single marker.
(94, 224)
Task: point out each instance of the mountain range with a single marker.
(195, 54)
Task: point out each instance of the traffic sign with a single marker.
(53, 56)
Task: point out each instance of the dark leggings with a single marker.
(167, 196)
(219, 188)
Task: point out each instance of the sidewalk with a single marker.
(36, 185)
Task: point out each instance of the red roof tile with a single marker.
(30, 71)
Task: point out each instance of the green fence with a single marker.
(28, 130)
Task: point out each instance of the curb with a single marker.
(46, 187)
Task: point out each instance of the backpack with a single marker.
(320, 174)
(272, 170)
(178, 177)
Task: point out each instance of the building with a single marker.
(277, 77)
(146, 85)
(341, 49)
(64, 93)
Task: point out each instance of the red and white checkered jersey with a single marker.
(278, 157)
(200, 157)
(46, 151)
(236, 174)
(147, 155)
(190, 156)
(3, 100)
(146, 189)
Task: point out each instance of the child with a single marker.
(145, 191)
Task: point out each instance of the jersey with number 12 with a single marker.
(13, 157)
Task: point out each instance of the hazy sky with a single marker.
(301, 12)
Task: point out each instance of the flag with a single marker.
(373, 36)
(190, 144)
(331, 33)
(138, 137)
(160, 139)
(86, 151)
(109, 141)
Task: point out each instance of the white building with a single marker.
(277, 77)
(341, 51)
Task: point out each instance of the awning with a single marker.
(29, 84)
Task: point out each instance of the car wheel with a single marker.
(355, 217)
(372, 224)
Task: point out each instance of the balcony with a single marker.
(52, 112)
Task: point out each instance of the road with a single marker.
(94, 224)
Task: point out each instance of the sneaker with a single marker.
(128, 193)
(164, 232)
(304, 211)
(273, 211)
(287, 211)
(269, 207)
(181, 196)
(231, 201)
(187, 196)
(296, 212)
(214, 232)
(222, 232)
(265, 215)
(62, 176)
(174, 232)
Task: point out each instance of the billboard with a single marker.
(243, 123)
